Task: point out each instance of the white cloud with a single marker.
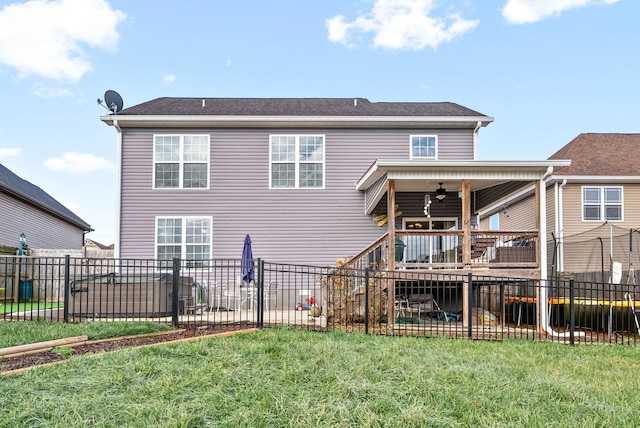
(530, 11)
(400, 24)
(45, 37)
(168, 78)
(48, 92)
(9, 152)
(77, 163)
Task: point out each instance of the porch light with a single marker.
(441, 193)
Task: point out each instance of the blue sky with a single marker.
(546, 70)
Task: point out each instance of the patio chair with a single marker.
(213, 295)
(401, 305)
(418, 303)
(233, 294)
(424, 303)
(271, 294)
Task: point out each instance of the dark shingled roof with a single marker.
(294, 107)
(601, 155)
(12, 184)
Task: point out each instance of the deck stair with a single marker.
(481, 244)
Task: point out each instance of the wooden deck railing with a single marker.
(442, 249)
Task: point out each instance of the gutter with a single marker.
(255, 121)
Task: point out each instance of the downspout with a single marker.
(475, 140)
(543, 223)
(560, 219)
(543, 298)
(116, 244)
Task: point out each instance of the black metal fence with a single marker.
(400, 302)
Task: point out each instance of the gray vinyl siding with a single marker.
(373, 190)
(454, 144)
(42, 229)
(313, 226)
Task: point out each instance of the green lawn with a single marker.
(285, 377)
(9, 307)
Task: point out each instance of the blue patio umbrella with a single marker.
(248, 273)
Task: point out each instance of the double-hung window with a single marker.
(187, 238)
(424, 147)
(181, 161)
(296, 161)
(601, 203)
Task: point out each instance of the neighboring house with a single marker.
(94, 245)
(592, 206)
(46, 223)
(311, 181)
(93, 249)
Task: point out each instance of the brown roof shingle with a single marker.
(601, 155)
(294, 107)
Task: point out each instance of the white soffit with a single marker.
(458, 170)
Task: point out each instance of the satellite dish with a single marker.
(113, 100)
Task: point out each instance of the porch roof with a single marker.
(410, 176)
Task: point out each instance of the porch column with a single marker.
(541, 255)
(466, 244)
(466, 222)
(391, 249)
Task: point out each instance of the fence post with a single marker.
(67, 285)
(470, 305)
(503, 308)
(572, 314)
(260, 292)
(175, 300)
(366, 301)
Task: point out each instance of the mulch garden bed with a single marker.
(11, 363)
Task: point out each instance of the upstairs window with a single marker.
(424, 146)
(296, 161)
(181, 162)
(187, 238)
(601, 203)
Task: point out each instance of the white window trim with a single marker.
(181, 162)
(427, 221)
(602, 203)
(297, 161)
(183, 244)
(412, 136)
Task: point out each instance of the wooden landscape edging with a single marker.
(188, 339)
(41, 346)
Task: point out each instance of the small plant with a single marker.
(62, 351)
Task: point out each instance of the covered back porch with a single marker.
(435, 215)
